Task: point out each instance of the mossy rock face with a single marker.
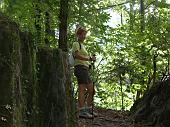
(34, 86)
(52, 97)
(28, 72)
(9, 68)
(154, 108)
(8, 49)
(16, 80)
(8, 54)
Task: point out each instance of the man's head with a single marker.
(81, 33)
(80, 30)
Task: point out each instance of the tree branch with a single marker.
(111, 6)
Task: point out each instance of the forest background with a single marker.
(131, 56)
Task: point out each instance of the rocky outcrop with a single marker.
(153, 109)
(35, 85)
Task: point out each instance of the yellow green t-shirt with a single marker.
(83, 52)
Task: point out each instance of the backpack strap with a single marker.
(79, 45)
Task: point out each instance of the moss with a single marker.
(32, 83)
(52, 90)
(10, 67)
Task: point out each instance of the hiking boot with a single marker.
(84, 114)
(91, 111)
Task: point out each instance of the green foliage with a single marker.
(128, 52)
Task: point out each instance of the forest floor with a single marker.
(109, 118)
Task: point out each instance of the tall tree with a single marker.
(63, 24)
(142, 13)
(38, 22)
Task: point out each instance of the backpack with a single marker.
(71, 59)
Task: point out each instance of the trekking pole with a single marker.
(93, 67)
(97, 69)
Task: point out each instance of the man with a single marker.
(81, 71)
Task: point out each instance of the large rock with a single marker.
(52, 97)
(154, 108)
(10, 78)
(35, 87)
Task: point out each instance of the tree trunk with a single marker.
(71, 114)
(132, 14)
(47, 28)
(142, 12)
(38, 23)
(63, 25)
(154, 69)
(121, 88)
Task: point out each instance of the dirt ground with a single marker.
(108, 118)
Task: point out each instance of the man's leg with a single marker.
(91, 91)
(90, 103)
(82, 109)
(81, 88)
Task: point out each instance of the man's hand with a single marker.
(93, 58)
